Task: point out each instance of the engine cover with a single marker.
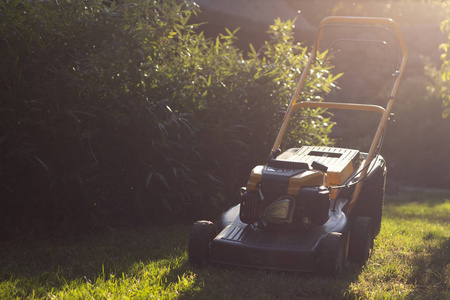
(280, 181)
(312, 205)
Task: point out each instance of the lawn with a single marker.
(410, 261)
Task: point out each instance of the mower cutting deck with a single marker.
(308, 209)
(294, 250)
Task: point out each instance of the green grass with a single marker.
(411, 261)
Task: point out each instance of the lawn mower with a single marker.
(312, 208)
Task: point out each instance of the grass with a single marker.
(411, 261)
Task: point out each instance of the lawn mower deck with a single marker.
(290, 250)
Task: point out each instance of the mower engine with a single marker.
(295, 196)
(291, 189)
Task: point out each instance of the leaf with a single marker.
(43, 165)
(149, 178)
(253, 53)
(172, 34)
(163, 180)
(445, 113)
(216, 48)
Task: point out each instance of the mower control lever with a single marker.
(318, 166)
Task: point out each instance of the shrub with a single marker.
(115, 115)
(443, 75)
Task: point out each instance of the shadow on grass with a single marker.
(42, 267)
(31, 267)
(219, 282)
(38, 268)
(431, 265)
(432, 272)
(429, 279)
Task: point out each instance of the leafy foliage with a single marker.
(444, 73)
(116, 114)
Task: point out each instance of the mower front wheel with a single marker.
(202, 234)
(361, 240)
(332, 255)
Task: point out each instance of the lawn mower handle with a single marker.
(334, 21)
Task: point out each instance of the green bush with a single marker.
(442, 78)
(114, 115)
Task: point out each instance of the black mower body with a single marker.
(295, 246)
(292, 250)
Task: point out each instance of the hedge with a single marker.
(123, 114)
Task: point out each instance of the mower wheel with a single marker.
(202, 234)
(371, 201)
(332, 255)
(361, 240)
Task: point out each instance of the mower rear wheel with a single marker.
(371, 201)
(202, 234)
(361, 240)
(332, 255)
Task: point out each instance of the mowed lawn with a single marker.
(410, 261)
